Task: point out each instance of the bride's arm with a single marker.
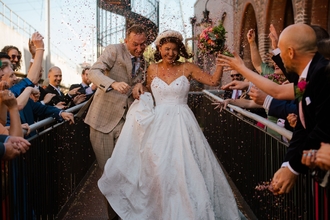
(203, 77)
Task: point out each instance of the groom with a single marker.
(114, 74)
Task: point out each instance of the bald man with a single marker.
(55, 79)
(298, 45)
(299, 53)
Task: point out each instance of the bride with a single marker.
(162, 166)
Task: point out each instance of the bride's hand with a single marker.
(137, 90)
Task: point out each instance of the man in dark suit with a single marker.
(299, 55)
(55, 79)
(84, 86)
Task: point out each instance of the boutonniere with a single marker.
(0, 64)
(300, 89)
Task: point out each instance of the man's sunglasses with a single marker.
(235, 75)
(16, 56)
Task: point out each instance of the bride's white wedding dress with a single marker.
(162, 167)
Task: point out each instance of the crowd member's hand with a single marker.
(221, 105)
(79, 99)
(121, 87)
(239, 85)
(7, 98)
(283, 181)
(323, 157)
(37, 40)
(32, 48)
(273, 36)
(137, 90)
(26, 127)
(14, 147)
(74, 91)
(251, 36)
(61, 105)
(292, 119)
(35, 94)
(308, 158)
(67, 116)
(48, 97)
(257, 95)
(3, 85)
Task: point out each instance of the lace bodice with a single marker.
(172, 94)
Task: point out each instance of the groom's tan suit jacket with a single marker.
(108, 107)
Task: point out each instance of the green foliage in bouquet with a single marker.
(212, 40)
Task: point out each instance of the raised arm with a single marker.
(255, 55)
(283, 92)
(34, 71)
(203, 77)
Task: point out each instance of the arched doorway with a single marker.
(248, 22)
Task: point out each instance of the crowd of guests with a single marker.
(292, 85)
(25, 101)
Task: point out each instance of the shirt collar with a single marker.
(305, 71)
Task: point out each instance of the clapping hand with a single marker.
(251, 36)
(79, 99)
(273, 36)
(37, 40)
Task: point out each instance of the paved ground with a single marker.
(89, 203)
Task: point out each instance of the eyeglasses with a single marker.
(235, 75)
(16, 56)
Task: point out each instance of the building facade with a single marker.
(241, 15)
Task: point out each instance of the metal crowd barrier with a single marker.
(38, 184)
(251, 156)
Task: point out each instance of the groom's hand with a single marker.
(283, 181)
(121, 87)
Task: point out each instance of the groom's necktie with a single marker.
(133, 66)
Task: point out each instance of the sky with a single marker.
(73, 22)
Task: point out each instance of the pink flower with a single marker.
(302, 85)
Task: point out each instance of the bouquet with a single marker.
(212, 40)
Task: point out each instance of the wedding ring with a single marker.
(304, 155)
(309, 154)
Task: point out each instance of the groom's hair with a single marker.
(137, 29)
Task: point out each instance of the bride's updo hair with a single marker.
(171, 36)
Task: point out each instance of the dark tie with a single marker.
(133, 66)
